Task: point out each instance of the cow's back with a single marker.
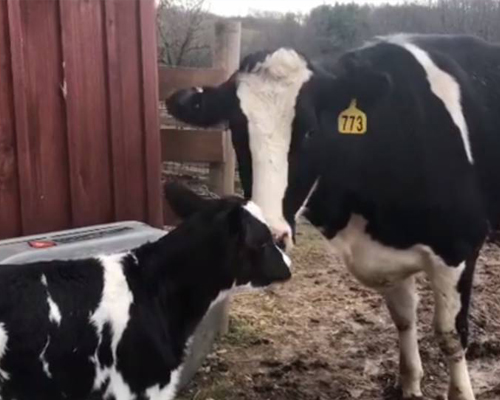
(454, 162)
(478, 73)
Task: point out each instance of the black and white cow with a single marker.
(416, 189)
(116, 327)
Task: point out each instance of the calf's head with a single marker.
(271, 105)
(236, 228)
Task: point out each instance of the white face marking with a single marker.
(4, 338)
(44, 362)
(303, 207)
(268, 96)
(256, 211)
(54, 311)
(113, 309)
(444, 86)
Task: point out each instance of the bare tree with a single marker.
(182, 32)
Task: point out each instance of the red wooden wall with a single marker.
(79, 140)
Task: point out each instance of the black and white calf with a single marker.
(393, 152)
(116, 327)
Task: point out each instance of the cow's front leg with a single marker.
(402, 301)
(452, 289)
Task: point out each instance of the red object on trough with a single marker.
(41, 244)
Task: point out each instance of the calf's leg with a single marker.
(452, 290)
(402, 302)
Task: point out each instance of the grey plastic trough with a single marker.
(106, 239)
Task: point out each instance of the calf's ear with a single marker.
(205, 106)
(183, 201)
(251, 231)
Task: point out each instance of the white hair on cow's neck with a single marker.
(268, 96)
(283, 64)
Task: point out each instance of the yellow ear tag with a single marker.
(353, 121)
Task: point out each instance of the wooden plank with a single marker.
(10, 212)
(226, 57)
(50, 205)
(147, 12)
(26, 170)
(167, 121)
(87, 120)
(114, 112)
(192, 145)
(172, 79)
(126, 121)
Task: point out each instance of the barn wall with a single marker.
(79, 140)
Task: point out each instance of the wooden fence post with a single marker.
(226, 56)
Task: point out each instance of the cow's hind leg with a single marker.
(402, 301)
(452, 290)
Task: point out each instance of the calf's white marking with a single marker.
(169, 391)
(54, 311)
(113, 309)
(256, 211)
(4, 338)
(45, 364)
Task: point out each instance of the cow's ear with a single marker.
(183, 201)
(369, 86)
(205, 106)
(362, 81)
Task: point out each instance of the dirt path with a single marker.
(325, 337)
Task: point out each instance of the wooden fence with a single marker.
(182, 143)
(79, 142)
(213, 146)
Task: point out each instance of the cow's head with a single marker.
(272, 106)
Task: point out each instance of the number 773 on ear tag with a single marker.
(352, 121)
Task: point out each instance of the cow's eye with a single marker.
(308, 135)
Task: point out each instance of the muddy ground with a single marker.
(323, 336)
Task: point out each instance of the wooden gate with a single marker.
(79, 135)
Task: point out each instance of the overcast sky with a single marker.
(242, 7)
